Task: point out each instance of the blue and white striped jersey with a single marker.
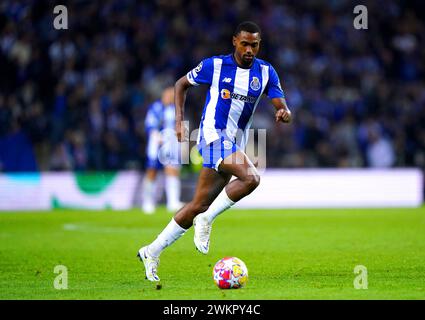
(160, 117)
(233, 95)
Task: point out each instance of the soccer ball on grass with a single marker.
(230, 273)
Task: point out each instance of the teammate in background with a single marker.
(236, 83)
(162, 153)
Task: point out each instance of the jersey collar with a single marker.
(239, 66)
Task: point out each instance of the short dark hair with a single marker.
(247, 26)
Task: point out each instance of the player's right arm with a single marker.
(180, 90)
(202, 74)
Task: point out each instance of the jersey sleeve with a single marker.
(202, 74)
(273, 88)
(153, 117)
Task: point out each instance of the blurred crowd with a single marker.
(77, 98)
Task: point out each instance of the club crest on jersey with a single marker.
(227, 144)
(255, 84)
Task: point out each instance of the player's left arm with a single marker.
(275, 93)
(282, 111)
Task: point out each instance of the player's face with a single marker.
(246, 47)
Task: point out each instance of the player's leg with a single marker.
(247, 176)
(153, 165)
(210, 184)
(172, 188)
(149, 190)
(247, 179)
(170, 158)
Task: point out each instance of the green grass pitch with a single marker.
(290, 254)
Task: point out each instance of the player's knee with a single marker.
(252, 181)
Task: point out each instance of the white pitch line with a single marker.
(99, 229)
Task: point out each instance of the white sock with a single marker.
(148, 189)
(220, 204)
(172, 190)
(168, 236)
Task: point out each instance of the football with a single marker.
(230, 273)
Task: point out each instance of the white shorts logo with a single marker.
(227, 144)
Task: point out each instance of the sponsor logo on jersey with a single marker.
(226, 94)
(255, 84)
(227, 80)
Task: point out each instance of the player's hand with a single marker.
(182, 131)
(283, 115)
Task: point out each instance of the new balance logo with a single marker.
(227, 80)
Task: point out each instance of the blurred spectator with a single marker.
(60, 158)
(380, 153)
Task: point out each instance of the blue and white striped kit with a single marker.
(230, 103)
(162, 146)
